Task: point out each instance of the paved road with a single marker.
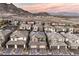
(20, 51)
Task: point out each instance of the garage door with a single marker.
(20, 46)
(62, 47)
(54, 47)
(10, 46)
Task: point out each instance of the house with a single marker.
(61, 29)
(25, 27)
(38, 22)
(40, 28)
(18, 39)
(54, 24)
(77, 36)
(48, 28)
(56, 40)
(30, 22)
(14, 22)
(37, 27)
(71, 29)
(5, 33)
(76, 30)
(61, 24)
(37, 40)
(71, 40)
(4, 36)
(47, 23)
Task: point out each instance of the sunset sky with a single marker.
(49, 7)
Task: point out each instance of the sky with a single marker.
(49, 7)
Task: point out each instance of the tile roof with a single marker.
(19, 33)
(19, 42)
(38, 34)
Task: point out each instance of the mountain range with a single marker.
(12, 9)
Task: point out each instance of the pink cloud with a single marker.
(56, 7)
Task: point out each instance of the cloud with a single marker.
(50, 7)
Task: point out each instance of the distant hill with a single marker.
(10, 8)
(41, 13)
(65, 14)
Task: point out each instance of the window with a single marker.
(15, 39)
(20, 38)
(34, 39)
(24, 38)
(66, 39)
(11, 39)
(41, 39)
